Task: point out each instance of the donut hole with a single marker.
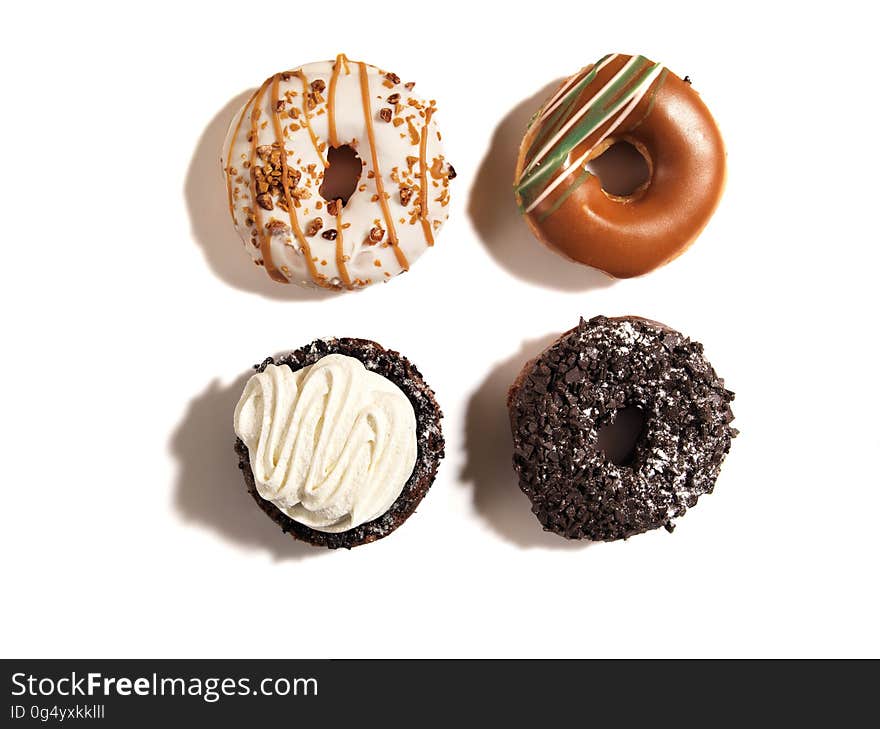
(623, 169)
(342, 175)
(620, 435)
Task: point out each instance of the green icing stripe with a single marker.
(620, 95)
(661, 79)
(552, 124)
(557, 118)
(532, 119)
(578, 181)
(562, 113)
(594, 118)
(581, 178)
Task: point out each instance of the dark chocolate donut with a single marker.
(429, 436)
(562, 399)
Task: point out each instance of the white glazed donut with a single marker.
(400, 200)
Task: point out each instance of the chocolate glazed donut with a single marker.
(629, 99)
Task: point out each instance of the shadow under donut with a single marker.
(489, 458)
(210, 489)
(494, 214)
(206, 201)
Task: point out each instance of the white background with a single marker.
(131, 316)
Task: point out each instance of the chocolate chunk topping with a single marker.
(329, 234)
(578, 385)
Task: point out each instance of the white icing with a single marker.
(331, 445)
(365, 263)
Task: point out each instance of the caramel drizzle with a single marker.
(305, 85)
(229, 154)
(285, 186)
(423, 174)
(331, 101)
(265, 242)
(380, 188)
(340, 254)
(334, 142)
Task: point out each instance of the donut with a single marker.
(562, 400)
(621, 99)
(279, 150)
(367, 482)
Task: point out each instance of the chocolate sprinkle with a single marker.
(561, 400)
(429, 436)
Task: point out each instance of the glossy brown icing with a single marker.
(634, 100)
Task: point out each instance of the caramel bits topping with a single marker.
(394, 98)
(265, 201)
(413, 132)
(277, 227)
(406, 193)
(318, 85)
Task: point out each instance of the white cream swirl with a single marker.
(331, 445)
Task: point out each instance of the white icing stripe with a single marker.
(558, 100)
(562, 93)
(633, 103)
(574, 119)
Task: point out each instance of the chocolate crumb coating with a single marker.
(569, 392)
(429, 436)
